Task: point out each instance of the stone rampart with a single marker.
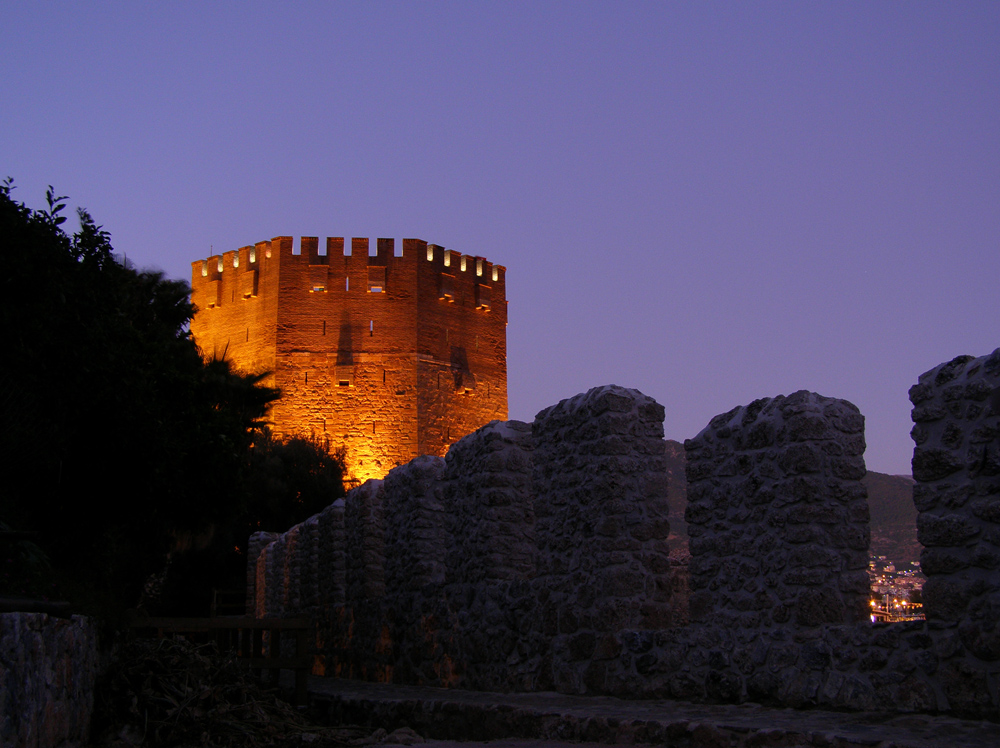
(48, 667)
(463, 569)
(777, 515)
(536, 559)
(601, 527)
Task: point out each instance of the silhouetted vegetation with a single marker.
(120, 443)
(283, 481)
(169, 692)
(290, 480)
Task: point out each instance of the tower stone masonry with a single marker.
(390, 356)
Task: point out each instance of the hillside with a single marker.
(890, 500)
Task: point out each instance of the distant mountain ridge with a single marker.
(890, 501)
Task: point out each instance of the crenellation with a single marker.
(385, 250)
(309, 249)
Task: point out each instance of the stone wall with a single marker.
(48, 667)
(777, 515)
(500, 566)
(601, 526)
(956, 463)
(536, 559)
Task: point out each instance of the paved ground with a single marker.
(450, 718)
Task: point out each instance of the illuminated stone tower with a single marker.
(389, 356)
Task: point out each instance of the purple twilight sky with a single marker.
(710, 202)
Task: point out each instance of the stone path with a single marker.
(547, 720)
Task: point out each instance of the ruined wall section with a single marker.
(601, 527)
(332, 556)
(777, 515)
(490, 505)
(956, 463)
(48, 673)
(416, 537)
(415, 644)
(271, 593)
(490, 634)
(256, 579)
(364, 525)
(575, 595)
(777, 519)
(448, 578)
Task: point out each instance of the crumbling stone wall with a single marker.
(601, 527)
(536, 559)
(489, 610)
(48, 667)
(956, 463)
(416, 538)
(488, 492)
(451, 578)
(777, 515)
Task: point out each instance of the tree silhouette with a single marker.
(117, 437)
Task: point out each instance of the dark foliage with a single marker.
(284, 481)
(290, 480)
(175, 693)
(117, 437)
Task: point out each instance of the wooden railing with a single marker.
(246, 637)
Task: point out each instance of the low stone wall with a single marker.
(535, 558)
(500, 566)
(777, 515)
(956, 463)
(48, 667)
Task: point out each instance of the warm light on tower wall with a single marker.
(390, 356)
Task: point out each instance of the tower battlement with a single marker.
(390, 355)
